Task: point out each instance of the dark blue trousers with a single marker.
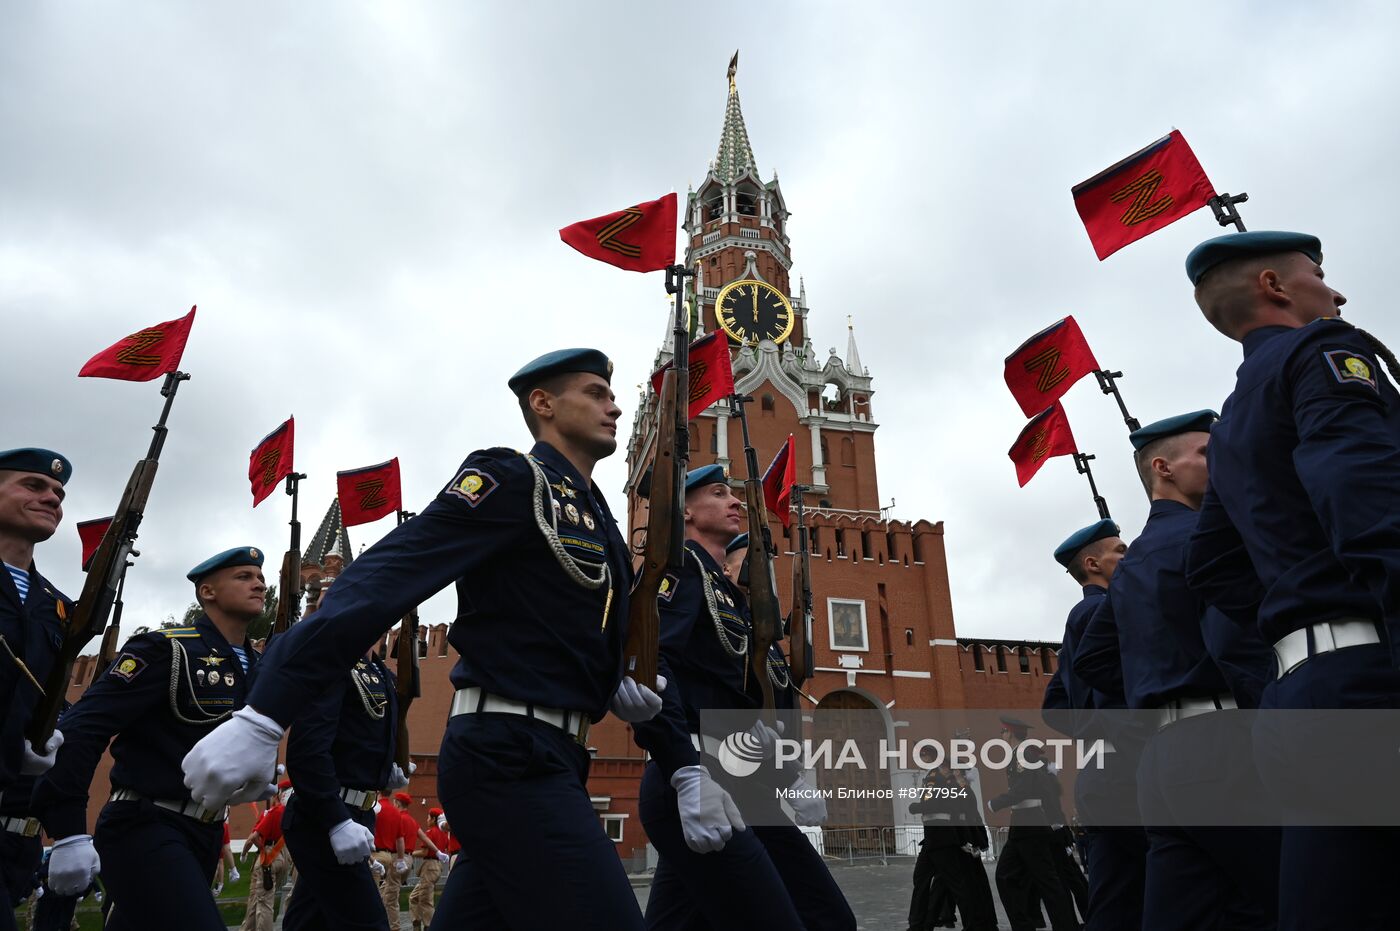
(765, 877)
(54, 912)
(19, 866)
(1333, 877)
(157, 867)
(534, 854)
(329, 895)
(1114, 846)
(1202, 872)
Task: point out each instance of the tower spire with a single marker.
(852, 355)
(735, 154)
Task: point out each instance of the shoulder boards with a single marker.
(174, 632)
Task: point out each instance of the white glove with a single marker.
(808, 807)
(708, 815)
(634, 703)
(397, 780)
(351, 842)
(412, 767)
(215, 889)
(73, 865)
(377, 869)
(442, 822)
(35, 762)
(766, 737)
(442, 857)
(401, 864)
(233, 875)
(236, 762)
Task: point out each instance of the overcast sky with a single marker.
(363, 199)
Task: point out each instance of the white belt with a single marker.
(938, 816)
(1292, 651)
(704, 743)
(188, 809)
(1026, 803)
(1179, 709)
(27, 827)
(474, 701)
(363, 799)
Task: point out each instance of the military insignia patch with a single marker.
(127, 667)
(1347, 366)
(563, 489)
(668, 587)
(472, 486)
(211, 660)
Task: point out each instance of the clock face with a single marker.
(750, 311)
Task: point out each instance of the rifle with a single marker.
(408, 684)
(800, 620)
(665, 546)
(104, 578)
(765, 613)
(289, 580)
(108, 652)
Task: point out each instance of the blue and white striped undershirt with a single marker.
(21, 577)
(242, 655)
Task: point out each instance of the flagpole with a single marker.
(1081, 464)
(1226, 214)
(1108, 386)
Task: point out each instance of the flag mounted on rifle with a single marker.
(1045, 366)
(271, 460)
(91, 532)
(711, 373)
(370, 493)
(638, 239)
(1045, 437)
(778, 482)
(1152, 188)
(145, 354)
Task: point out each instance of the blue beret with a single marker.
(738, 543)
(1015, 723)
(1241, 245)
(32, 459)
(238, 556)
(1066, 551)
(560, 362)
(1194, 422)
(705, 475)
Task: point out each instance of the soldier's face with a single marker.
(1302, 279)
(31, 505)
(1188, 464)
(1113, 550)
(712, 510)
(237, 591)
(585, 413)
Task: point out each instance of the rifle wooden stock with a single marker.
(95, 602)
(288, 593)
(764, 611)
(408, 684)
(644, 619)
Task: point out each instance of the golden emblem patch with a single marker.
(127, 667)
(472, 486)
(1347, 366)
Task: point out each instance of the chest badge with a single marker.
(588, 521)
(211, 660)
(228, 678)
(564, 489)
(571, 513)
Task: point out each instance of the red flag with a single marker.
(711, 374)
(1046, 436)
(639, 239)
(91, 532)
(368, 494)
(145, 354)
(1044, 367)
(1148, 190)
(271, 460)
(778, 482)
